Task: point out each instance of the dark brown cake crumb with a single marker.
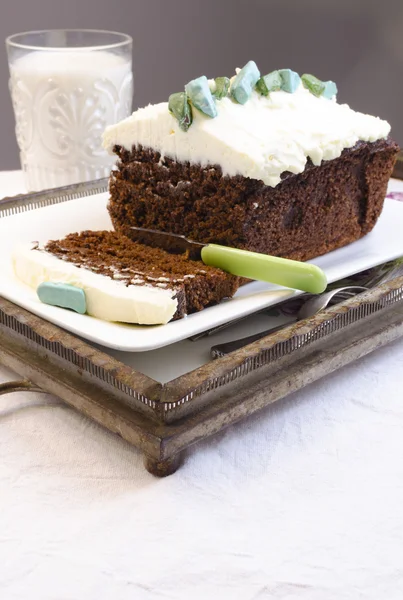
(305, 216)
(114, 255)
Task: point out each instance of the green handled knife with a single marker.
(252, 265)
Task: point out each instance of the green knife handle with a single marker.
(262, 267)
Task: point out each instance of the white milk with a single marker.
(63, 100)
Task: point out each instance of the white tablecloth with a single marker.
(301, 502)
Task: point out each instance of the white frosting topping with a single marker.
(260, 139)
(107, 299)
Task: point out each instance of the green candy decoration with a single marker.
(313, 84)
(244, 82)
(63, 295)
(201, 97)
(269, 83)
(221, 87)
(179, 106)
(290, 80)
(330, 89)
(198, 93)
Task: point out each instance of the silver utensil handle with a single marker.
(218, 328)
(227, 347)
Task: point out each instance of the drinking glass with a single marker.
(66, 87)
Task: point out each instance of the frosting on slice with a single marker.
(106, 299)
(261, 139)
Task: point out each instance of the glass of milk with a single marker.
(66, 87)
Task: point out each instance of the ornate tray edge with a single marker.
(25, 202)
(191, 392)
(197, 387)
(55, 345)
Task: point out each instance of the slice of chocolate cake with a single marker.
(270, 164)
(122, 280)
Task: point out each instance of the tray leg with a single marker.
(162, 468)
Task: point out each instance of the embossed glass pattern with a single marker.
(66, 87)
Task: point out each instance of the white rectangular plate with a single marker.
(384, 243)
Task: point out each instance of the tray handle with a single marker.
(18, 386)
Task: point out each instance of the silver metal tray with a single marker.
(162, 419)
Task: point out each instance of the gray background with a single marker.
(357, 43)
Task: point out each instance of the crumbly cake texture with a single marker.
(115, 256)
(306, 215)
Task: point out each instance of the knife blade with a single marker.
(243, 263)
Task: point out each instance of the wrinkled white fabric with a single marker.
(300, 502)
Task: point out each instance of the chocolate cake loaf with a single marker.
(123, 280)
(304, 216)
(271, 164)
